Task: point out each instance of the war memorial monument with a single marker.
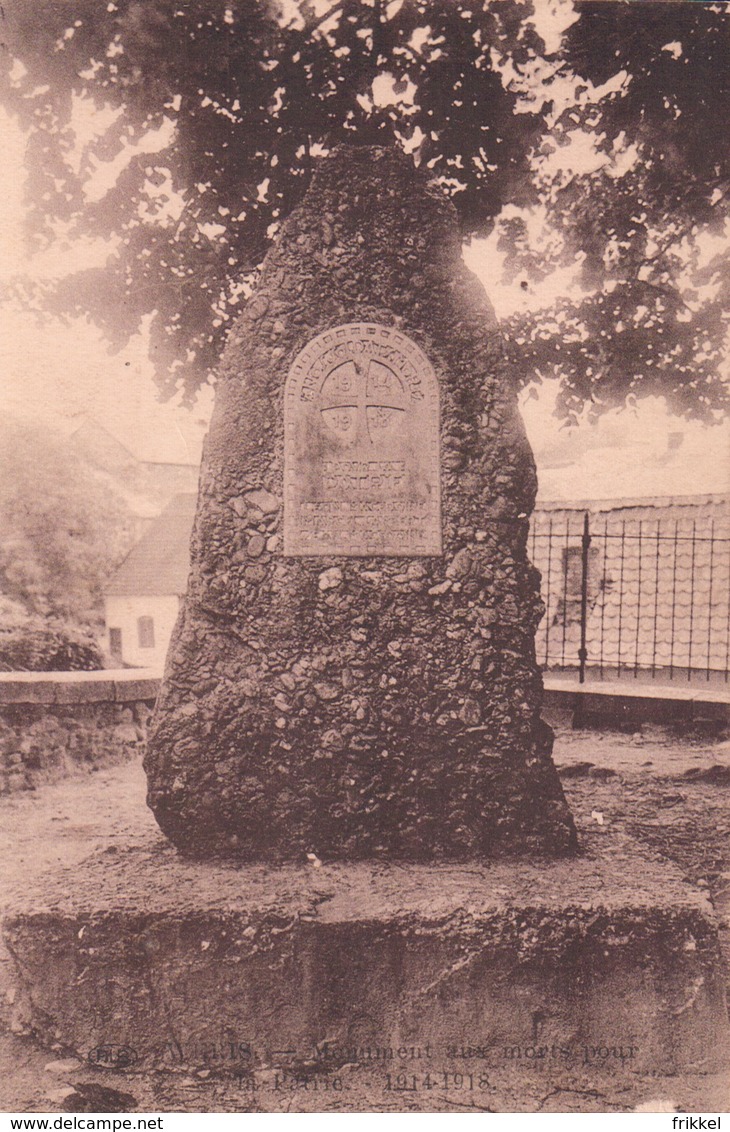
(373, 853)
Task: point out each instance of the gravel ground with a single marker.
(669, 793)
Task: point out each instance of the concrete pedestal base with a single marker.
(423, 977)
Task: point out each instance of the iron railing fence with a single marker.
(633, 597)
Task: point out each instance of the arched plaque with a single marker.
(361, 446)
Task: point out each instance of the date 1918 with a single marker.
(448, 1082)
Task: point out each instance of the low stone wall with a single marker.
(53, 724)
(620, 705)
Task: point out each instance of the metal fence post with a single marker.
(582, 651)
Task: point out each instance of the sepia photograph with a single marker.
(364, 559)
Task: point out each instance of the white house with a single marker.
(141, 599)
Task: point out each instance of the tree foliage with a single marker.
(29, 643)
(214, 112)
(62, 529)
(650, 232)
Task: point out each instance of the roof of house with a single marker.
(640, 451)
(152, 435)
(160, 562)
(94, 440)
(647, 503)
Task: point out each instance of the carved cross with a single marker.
(359, 398)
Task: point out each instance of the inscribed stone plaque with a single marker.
(361, 446)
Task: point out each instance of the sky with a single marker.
(60, 374)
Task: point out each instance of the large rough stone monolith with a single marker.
(353, 670)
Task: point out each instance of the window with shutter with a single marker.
(146, 632)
